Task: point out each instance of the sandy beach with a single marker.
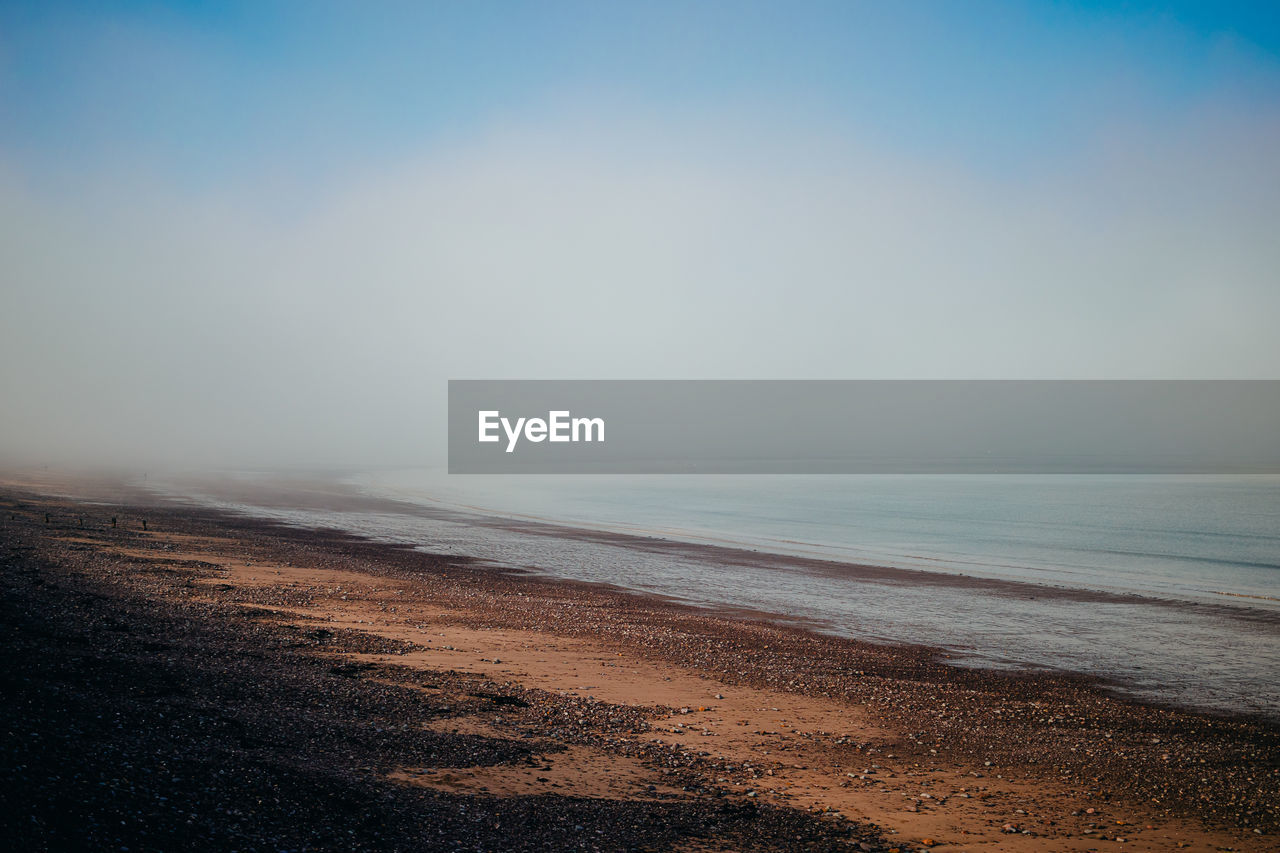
(668, 426)
(215, 681)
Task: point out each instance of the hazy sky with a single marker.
(268, 233)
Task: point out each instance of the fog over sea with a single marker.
(1167, 586)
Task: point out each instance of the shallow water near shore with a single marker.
(1167, 586)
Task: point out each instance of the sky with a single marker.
(266, 233)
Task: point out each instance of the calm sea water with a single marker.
(1192, 538)
(1199, 556)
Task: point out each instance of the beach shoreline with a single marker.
(887, 736)
(1160, 648)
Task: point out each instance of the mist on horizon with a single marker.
(270, 235)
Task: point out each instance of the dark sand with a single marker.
(218, 682)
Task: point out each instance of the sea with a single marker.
(1166, 588)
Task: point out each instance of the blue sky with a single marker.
(262, 232)
(218, 91)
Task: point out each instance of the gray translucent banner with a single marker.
(860, 427)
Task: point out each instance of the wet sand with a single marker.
(435, 683)
(333, 495)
